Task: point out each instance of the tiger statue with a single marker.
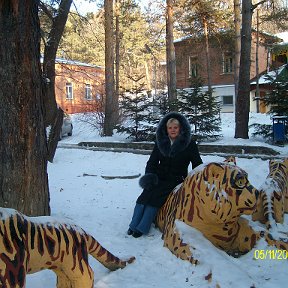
(230, 160)
(211, 199)
(273, 197)
(31, 244)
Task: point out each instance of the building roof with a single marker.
(276, 38)
(265, 78)
(73, 62)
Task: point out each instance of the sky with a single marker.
(84, 7)
(104, 208)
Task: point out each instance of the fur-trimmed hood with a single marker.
(181, 142)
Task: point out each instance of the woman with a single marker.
(166, 168)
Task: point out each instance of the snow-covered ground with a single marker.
(104, 208)
(82, 132)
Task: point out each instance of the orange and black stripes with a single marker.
(27, 246)
(211, 200)
(273, 200)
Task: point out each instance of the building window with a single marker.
(227, 100)
(69, 91)
(193, 67)
(88, 92)
(228, 63)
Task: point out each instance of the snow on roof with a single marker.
(283, 36)
(73, 62)
(264, 78)
(182, 38)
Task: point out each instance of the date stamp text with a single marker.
(277, 254)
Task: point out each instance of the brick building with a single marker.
(191, 61)
(79, 87)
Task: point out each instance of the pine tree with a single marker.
(161, 105)
(277, 98)
(201, 110)
(137, 112)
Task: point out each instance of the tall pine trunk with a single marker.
(117, 52)
(23, 165)
(111, 110)
(170, 52)
(237, 28)
(207, 50)
(243, 96)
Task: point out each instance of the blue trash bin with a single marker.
(279, 129)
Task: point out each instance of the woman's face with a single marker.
(173, 130)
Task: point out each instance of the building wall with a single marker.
(196, 49)
(79, 76)
(256, 105)
(221, 91)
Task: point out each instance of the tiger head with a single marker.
(224, 192)
(231, 160)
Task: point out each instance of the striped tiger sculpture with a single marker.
(273, 197)
(211, 199)
(230, 160)
(31, 244)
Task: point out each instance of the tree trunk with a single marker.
(23, 165)
(117, 51)
(170, 52)
(243, 97)
(205, 25)
(237, 22)
(111, 111)
(148, 78)
(52, 112)
(257, 65)
(54, 135)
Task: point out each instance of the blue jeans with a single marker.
(142, 218)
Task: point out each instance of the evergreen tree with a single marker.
(137, 112)
(161, 105)
(277, 98)
(201, 110)
(84, 38)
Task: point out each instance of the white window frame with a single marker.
(69, 91)
(228, 63)
(88, 92)
(193, 71)
(230, 97)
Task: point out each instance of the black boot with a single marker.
(130, 231)
(137, 234)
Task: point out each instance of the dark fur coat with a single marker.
(168, 164)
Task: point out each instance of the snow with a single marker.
(283, 36)
(273, 74)
(103, 208)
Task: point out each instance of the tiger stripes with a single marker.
(273, 200)
(211, 199)
(31, 244)
(231, 160)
